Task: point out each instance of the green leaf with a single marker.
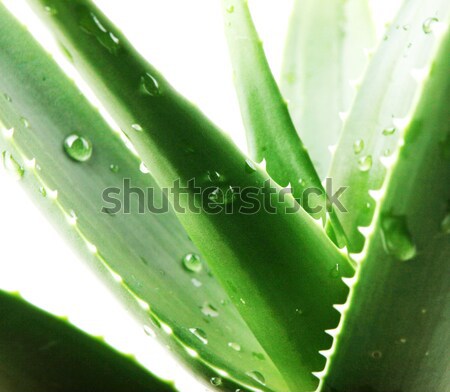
(140, 255)
(270, 132)
(395, 334)
(324, 55)
(382, 109)
(280, 270)
(40, 352)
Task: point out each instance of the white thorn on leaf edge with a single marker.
(92, 248)
(366, 231)
(52, 194)
(401, 123)
(320, 374)
(420, 74)
(350, 282)
(143, 305)
(341, 308)
(326, 353)
(191, 352)
(388, 161)
(30, 163)
(332, 332)
(357, 257)
(377, 194)
(8, 133)
(166, 329)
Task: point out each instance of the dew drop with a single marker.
(213, 176)
(234, 346)
(8, 133)
(199, 334)
(50, 10)
(149, 85)
(78, 148)
(210, 310)
(43, 191)
(397, 239)
(358, 146)
(365, 163)
(11, 165)
(230, 9)
(7, 98)
(216, 381)
(114, 168)
(257, 376)
(25, 122)
(335, 272)
(196, 282)
(258, 356)
(376, 354)
(137, 127)
(192, 262)
(250, 167)
(222, 196)
(427, 25)
(445, 225)
(91, 25)
(389, 131)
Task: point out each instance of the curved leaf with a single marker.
(139, 254)
(324, 54)
(270, 132)
(42, 353)
(382, 110)
(395, 334)
(259, 257)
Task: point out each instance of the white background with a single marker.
(183, 39)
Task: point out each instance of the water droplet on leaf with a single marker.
(389, 131)
(216, 381)
(10, 163)
(192, 262)
(358, 146)
(397, 239)
(199, 334)
(365, 163)
(210, 310)
(427, 25)
(150, 85)
(137, 127)
(78, 148)
(257, 376)
(234, 346)
(114, 168)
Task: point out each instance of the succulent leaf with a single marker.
(139, 254)
(395, 333)
(324, 56)
(270, 131)
(43, 353)
(260, 264)
(382, 110)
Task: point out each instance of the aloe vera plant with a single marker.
(276, 296)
